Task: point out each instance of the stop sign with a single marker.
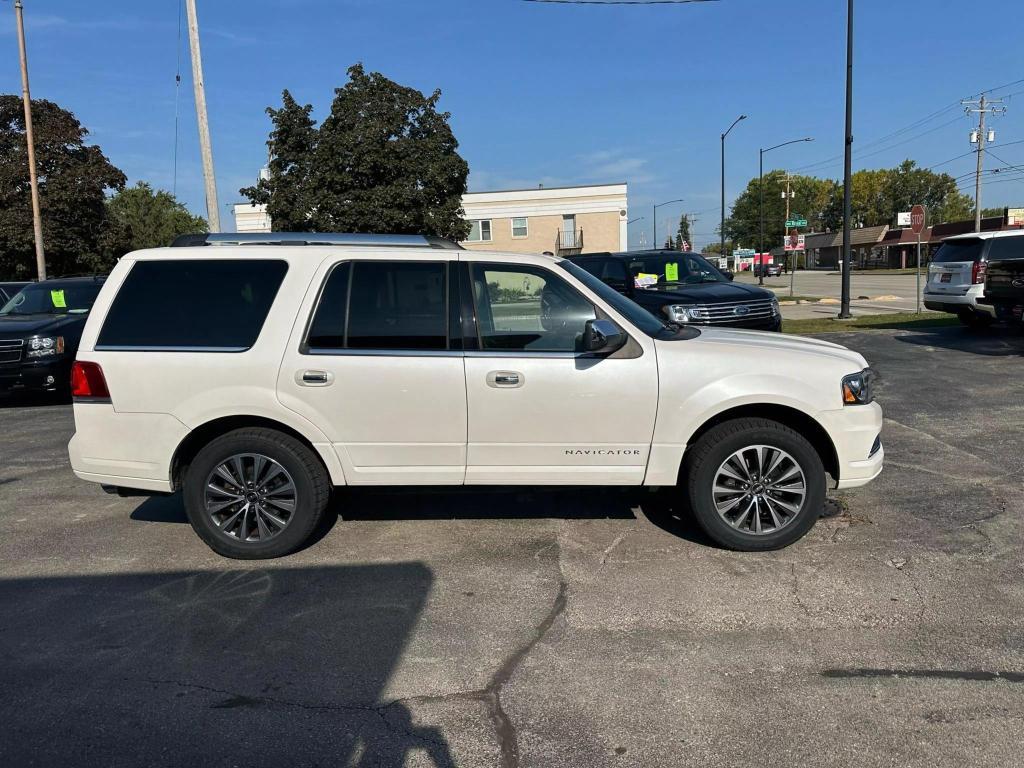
(917, 219)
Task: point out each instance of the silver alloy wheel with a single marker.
(250, 497)
(759, 489)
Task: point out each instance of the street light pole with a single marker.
(760, 205)
(844, 308)
(33, 180)
(654, 243)
(721, 229)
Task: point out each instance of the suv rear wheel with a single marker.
(754, 484)
(255, 493)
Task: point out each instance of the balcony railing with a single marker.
(569, 243)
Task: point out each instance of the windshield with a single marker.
(671, 270)
(52, 299)
(958, 250)
(636, 314)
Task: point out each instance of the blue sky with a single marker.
(545, 93)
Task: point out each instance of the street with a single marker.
(888, 292)
(533, 627)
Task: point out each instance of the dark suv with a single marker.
(40, 328)
(684, 288)
(1004, 278)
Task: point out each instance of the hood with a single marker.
(762, 342)
(15, 326)
(700, 293)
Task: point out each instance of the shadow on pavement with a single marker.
(998, 341)
(247, 667)
(479, 503)
(32, 399)
(485, 503)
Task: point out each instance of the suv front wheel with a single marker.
(255, 493)
(754, 484)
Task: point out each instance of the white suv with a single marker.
(956, 275)
(255, 373)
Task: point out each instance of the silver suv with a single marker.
(956, 275)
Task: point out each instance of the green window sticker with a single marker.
(57, 297)
(672, 273)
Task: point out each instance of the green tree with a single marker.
(139, 217)
(683, 234)
(384, 160)
(289, 193)
(811, 199)
(74, 178)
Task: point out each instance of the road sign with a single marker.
(917, 216)
(790, 223)
(794, 242)
(903, 219)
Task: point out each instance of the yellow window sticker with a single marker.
(672, 273)
(643, 279)
(57, 297)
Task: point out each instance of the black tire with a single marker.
(702, 464)
(311, 482)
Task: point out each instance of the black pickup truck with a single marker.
(684, 288)
(40, 328)
(1004, 279)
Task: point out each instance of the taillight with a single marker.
(978, 269)
(88, 382)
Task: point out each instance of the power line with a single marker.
(1006, 163)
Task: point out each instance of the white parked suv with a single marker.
(956, 275)
(254, 373)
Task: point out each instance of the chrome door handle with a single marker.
(314, 378)
(509, 379)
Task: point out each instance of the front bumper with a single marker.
(856, 434)
(52, 375)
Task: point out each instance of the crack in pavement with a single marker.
(489, 695)
(611, 547)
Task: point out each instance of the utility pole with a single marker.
(982, 106)
(33, 181)
(212, 209)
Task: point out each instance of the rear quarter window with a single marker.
(959, 250)
(192, 304)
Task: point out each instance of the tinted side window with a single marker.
(327, 331)
(528, 309)
(609, 271)
(1006, 248)
(193, 303)
(958, 250)
(397, 305)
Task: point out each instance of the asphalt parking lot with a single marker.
(539, 628)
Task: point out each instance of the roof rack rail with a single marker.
(314, 238)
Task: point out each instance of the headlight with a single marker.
(775, 307)
(857, 389)
(686, 313)
(45, 346)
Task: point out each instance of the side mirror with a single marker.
(728, 274)
(602, 337)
